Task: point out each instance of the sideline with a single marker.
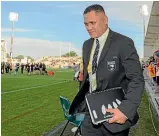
(53, 131)
(8, 92)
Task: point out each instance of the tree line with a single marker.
(71, 54)
(20, 57)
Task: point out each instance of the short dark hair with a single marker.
(95, 7)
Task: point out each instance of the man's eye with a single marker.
(93, 23)
(86, 24)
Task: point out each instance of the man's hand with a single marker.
(118, 116)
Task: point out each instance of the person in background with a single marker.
(76, 71)
(10, 67)
(32, 68)
(2, 67)
(16, 68)
(81, 74)
(22, 68)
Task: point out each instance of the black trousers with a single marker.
(88, 129)
(157, 80)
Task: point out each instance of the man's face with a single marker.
(95, 23)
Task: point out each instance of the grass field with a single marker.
(30, 104)
(31, 112)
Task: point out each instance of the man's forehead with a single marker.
(93, 14)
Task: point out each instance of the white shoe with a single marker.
(74, 129)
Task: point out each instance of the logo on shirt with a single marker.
(111, 65)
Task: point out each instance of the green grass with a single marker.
(35, 111)
(144, 125)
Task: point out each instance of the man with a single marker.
(22, 68)
(110, 60)
(10, 67)
(80, 73)
(7, 67)
(40, 67)
(16, 68)
(31, 68)
(2, 67)
(44, 69)
(76, 71)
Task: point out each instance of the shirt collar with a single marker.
(103, 36)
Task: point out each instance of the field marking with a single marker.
(64, 71)
(8, 92)
(35, 78)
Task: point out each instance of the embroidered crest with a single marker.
(111, 65)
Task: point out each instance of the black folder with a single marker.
(97, 102)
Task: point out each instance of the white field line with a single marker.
(64, 71)
(37, 78)
(8, 92)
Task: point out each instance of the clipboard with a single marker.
(97, 102)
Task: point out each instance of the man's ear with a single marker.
(106, 20)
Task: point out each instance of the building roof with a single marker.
(152, 34)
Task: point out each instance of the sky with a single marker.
(44, 26)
